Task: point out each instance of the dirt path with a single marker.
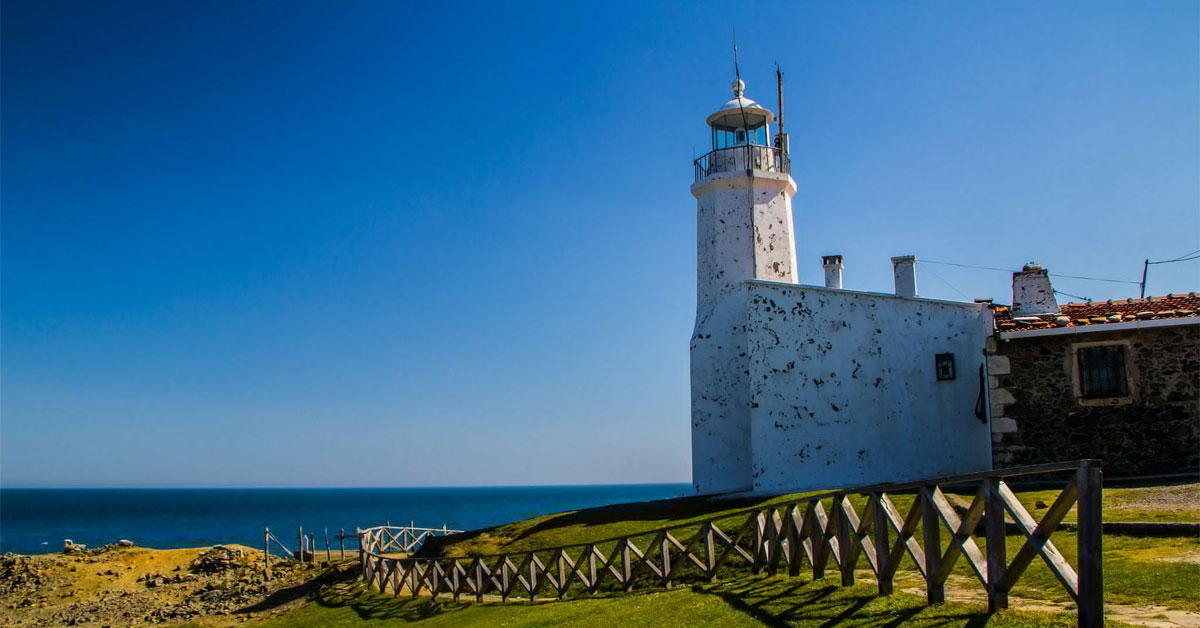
(968, 591)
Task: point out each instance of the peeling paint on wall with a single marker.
(844, 391)
(744, 231)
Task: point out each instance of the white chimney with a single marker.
(833, 270)
(905, 269)
(1032, 293)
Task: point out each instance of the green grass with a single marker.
(745, 601)
(1137, 572)
(577, 527)
(1176, 502)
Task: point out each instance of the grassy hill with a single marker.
(1148, 580)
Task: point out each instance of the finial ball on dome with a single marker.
(739, 87)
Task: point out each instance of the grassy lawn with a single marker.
(745, 601)
(1178, 502)
(1138, 572)
(1169, 503)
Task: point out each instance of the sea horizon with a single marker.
(37, 520)
(317, 487)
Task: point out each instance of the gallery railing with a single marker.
(879, 525)
(742, 159)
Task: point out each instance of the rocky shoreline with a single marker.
(120, 585)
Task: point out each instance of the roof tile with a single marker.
(1173, 305)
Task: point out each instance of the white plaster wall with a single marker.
(1032, 293)
(843, 389)
(744, 231)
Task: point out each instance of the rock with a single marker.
(1039, 504)
(218, 559)
(124, 543)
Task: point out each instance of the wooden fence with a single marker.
(399, 539)
(306, 546)
(813, 530)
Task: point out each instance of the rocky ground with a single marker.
(121, 586)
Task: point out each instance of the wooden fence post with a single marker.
(883, 546)
(328, 554)
(300, 543)
(710, 553)
(478, 579)
(935, 589)
(760, 524)
(342, 543)
(997, 551)
(845, 537)
(1090, 485)
(592, 574)
(267, 552)
(665, 552)
(504, 579)
(816, 535)
(562, 573)
(626, 566)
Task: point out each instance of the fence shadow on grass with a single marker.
(779, 603)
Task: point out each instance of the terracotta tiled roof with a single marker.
(1103, 312)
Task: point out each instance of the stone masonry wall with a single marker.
(1037, 416)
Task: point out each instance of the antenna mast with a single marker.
(779, 83)
(781, 138)
(738, 81)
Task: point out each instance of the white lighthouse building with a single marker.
(799, 387)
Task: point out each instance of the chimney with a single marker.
(905, 269)
(1032, 293)
(833, 270)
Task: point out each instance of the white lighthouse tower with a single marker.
(743, 192)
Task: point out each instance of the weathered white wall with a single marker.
(904, 269)
(744, 231)
(844, 393)
(1032, 293)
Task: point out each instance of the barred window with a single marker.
(1102, 372)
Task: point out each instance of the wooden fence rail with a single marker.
(879, 534)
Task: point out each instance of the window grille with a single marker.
(1102, 372)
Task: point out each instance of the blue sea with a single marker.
(37, 520)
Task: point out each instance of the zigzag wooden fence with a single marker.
(788, 536)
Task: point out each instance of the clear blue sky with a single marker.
(384, 243)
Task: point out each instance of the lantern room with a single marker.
(740, 122)
(741, 138)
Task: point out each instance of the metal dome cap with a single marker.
(740, 112)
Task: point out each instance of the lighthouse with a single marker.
(743, 190)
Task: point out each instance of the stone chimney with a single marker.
(1032, 293)
(905, 269)
(833, 270)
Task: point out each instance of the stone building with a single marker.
(800, 387)
(1114, 380)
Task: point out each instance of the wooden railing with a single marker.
(811, 531)
(398, 539)
(306, 546)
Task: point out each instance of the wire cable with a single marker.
(943, 280)
(1182, 258)
(1073, 296)
(1008, 270)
